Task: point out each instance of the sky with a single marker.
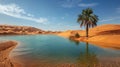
(56, 15)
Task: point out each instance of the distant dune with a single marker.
(109, 33)
(21, 30)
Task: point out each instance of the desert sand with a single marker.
(5, 49)
(22, 30)
(103, 35)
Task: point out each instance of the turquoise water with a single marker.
(36, 49)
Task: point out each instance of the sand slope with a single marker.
(108, 33)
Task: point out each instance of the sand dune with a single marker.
(22, 30)
(109, 33)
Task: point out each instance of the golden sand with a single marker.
(5, 49)
(109, 33)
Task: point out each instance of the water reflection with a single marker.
(74, 41)
(87, 59)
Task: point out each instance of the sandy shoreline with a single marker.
(104, 35)
(5, 49)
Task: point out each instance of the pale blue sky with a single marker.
(56, 14)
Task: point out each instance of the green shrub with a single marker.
(77, 35)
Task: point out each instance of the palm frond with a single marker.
(87, 18)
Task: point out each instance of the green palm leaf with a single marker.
(87, 19)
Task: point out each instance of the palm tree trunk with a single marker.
(87, 30)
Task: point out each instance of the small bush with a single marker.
(77, 35)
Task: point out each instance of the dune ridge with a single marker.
(22, 30)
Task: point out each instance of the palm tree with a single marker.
(87, 19)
